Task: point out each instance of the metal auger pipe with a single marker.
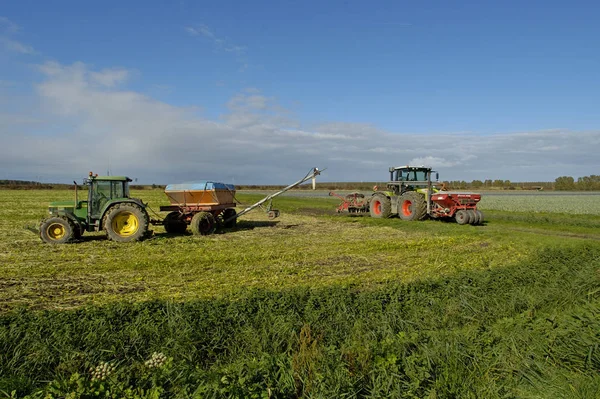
(311, 175)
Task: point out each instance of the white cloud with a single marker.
(7, 26)
(15, 46)
(221, 43)
(88, 119)
(109, 77)
(7, 30)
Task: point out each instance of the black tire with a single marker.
(473, 217)
(380, 206)
(78, 229)
(203, 223)
(125, 222)
(227, 213)
(462, 217)
(479, 217)
(412, 206)
(57, 230)
(174, 224)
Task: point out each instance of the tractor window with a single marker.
(412, 175)
(420, 175)
(100, 194)
(117, 189)
(104, 191)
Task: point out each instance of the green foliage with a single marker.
(492, 333)
(313, 305)
(564, 183)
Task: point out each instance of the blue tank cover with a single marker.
(201, 185)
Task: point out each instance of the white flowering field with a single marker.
(569, 203)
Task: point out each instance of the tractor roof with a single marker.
(112, 178)
(422, 167)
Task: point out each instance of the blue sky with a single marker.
(259, 92)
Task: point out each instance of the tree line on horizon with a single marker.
(562, 183)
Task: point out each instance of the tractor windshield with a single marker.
(413, 175)
(103, 191)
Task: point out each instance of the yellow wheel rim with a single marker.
(56, 231)
(125, 224)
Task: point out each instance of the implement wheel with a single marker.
(125, 222)
(173, 223)
(473, 217)
(479, 217)
(412, 206)
(203, 223)
(462, 217)
(57, 230)
(380, 206)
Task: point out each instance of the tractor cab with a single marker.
(104, 189)
(410, 178)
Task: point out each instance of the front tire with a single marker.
(412, 206)
(380, 206)
(126, 222)
(57, 230)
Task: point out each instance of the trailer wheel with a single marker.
(56, 230)
(412, 206)
(125, 222)
(462, 217)
(203, 223)
(173, 223)
(380, 206)
(228, 213)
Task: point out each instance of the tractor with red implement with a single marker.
(412, 195)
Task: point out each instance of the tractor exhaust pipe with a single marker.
(76, 199)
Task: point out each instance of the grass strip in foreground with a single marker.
(530, 330)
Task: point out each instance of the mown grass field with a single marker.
(312, 304)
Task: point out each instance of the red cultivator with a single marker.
(352, 203)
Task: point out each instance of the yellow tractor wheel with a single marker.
(126, 222)
(56, 230)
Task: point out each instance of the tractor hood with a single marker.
(61, 204)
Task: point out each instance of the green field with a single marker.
(313, 304)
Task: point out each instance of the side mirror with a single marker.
(437, 176)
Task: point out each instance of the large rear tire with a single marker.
(380, 206)
(462, 217)
(203, 223)
(412, 206)
(173, 223)
(57, 230)
(125, 222)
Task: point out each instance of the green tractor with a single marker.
(107, 207)
(412, 195)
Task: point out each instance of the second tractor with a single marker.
(411, 194)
